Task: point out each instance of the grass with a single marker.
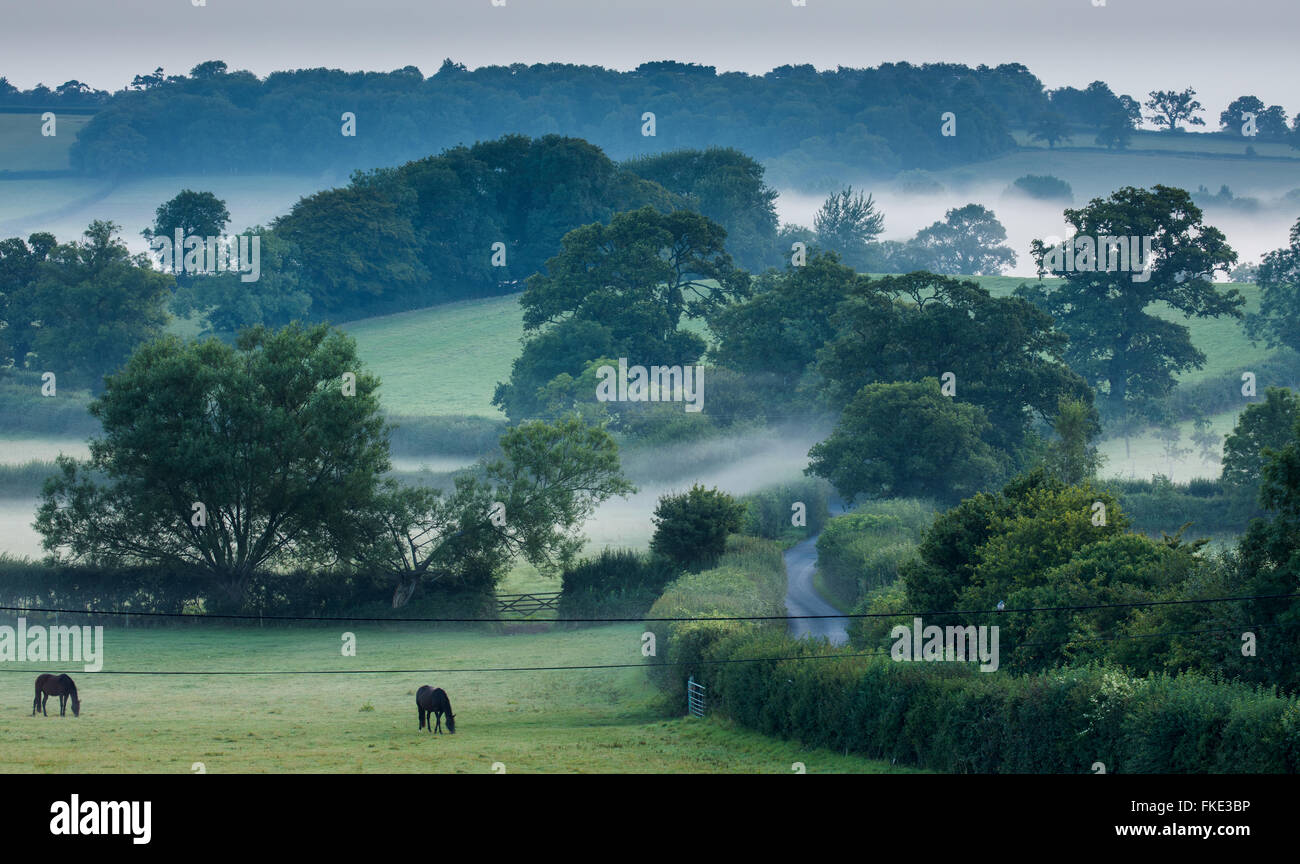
(444, 359)
(24, 148)
(592, 721)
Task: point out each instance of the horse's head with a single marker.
(451, 723)
(76, 706)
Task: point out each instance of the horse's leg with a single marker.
(36, 702)
(420, 711)
(45, 704)
(63, 701)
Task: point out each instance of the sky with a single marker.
(1222, 49)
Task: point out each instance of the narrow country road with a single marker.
(802, 599)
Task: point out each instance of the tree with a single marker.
(906, 439)
(788, 319)
(726, 186)
(1169, 108)
(208, 69)
(1278, 321)
(226, 459)
(621, 290)
(193, 214)
(530, 503)
(197, 214)
(638, 275)
(848, 223)
(1004, 354)
(691, 528)
(1115, 343)
(1269, 560)
(1262, 429)
(965, 243)
(1270, 122)
(1071, 457)
(1116, 131)
(84, 306)
(1050, 126)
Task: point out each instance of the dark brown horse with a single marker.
(56, 685)
(432, 704)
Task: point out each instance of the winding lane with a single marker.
(802, 599)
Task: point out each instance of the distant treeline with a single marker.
(472, 222)
(881, 119)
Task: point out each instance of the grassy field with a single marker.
(24, 148)
(592, 721)
(445, 359)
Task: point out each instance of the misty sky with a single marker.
(1222, 48)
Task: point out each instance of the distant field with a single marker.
(1188, 142)
(66, 205)
(24, 148)
(444, 359)
(1097, 172)
(586, 721)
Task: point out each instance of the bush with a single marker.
(691, 529)
(1043, 187)
(951, 717)
(749, 580)
(863, 550)
(615, 584)
(768, 511)
(1160, 505)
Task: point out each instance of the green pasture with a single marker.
(585, 721)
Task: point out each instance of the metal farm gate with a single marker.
(694, 697)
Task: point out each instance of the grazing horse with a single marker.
(56, 685)
(432, 704)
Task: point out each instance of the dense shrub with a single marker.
(749, 580)
(616, 583)
(951, 717)
(1043, 187)
(323, 592)
(863, 550)
(1160, 505)
(768, 511)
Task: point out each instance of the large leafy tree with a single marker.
(788, 319)
(968, 242)
(1262, 430)
(1005, 354)
(624, 289)
(1116, 342)
(1278, 319)
(530, 503)
(726, 186)
(78, 309)
(848, 223)
(261, 435)
(907, 440)
(1169, 108)
(1269, 558)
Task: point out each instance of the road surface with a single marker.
(802, 599)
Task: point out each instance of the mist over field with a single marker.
(666, 385)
